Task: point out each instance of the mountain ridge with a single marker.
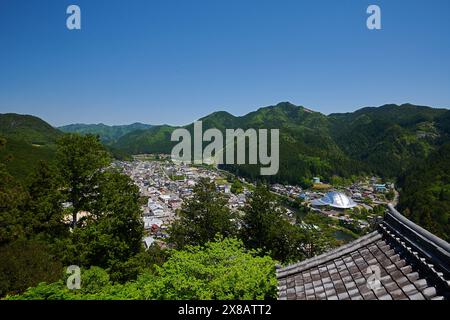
(380, 140)
(108, 134)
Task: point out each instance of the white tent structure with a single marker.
(336, 200)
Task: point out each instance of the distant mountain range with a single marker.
(383, 141)
(108, 134)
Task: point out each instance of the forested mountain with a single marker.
(28, 140)
(108, 134)
(27, 128)
(408, 143)
(389, 138)
(402, 142)
(384, 140)
(425, 194)
(153, 140)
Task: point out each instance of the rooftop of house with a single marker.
(398, 261)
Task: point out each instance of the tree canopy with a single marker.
(203, 217)
(222, 270)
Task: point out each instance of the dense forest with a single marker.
(425, 195)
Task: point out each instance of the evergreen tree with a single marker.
(80, 160)
(25, 263)
(12, 198)
(265, 226)
(44, 206)
(112, 233)
(203, 217)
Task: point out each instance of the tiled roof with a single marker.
(399, 261)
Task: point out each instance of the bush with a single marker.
(222, 270)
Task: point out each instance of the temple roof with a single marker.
(398, 261)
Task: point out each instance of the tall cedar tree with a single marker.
(44, 206)
(12, 198)
(80, 160)
(112, 234)
(264, 226)
(203, 217)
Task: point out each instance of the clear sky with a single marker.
(167, 61)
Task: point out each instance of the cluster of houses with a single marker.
(340, 203)
(166, 185)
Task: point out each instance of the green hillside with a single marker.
(108, 134)
(425, 194)
(153, 140)
(389, 138)
(383, 141)
(27, 128)
(28, 140)
(21, 158)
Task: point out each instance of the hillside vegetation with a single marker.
(107, 134)
(383, 141)
(28, 141)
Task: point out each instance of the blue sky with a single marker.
(167, 61)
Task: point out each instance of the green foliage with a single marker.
(265, 226)
(389, 138)
(202, 217)
(94, 280)
(425, 195)
(389, 141)
(153, 140)
(109, 236)
(384, 140)
(44, 205)
(24, 264)
(237, 187)
(22, 159)
(80, 160)
(390, 195)
(112, 234)
(29, 129)
(12, 198)
(29, 140)
(222, 270)
(318, 235)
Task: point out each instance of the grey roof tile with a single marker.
(409, 289)
(417, 296)
(398, 294)
(421, 284)
(343, 273)
(343, 296)
(429, 292)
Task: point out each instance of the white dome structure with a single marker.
(336, 200)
